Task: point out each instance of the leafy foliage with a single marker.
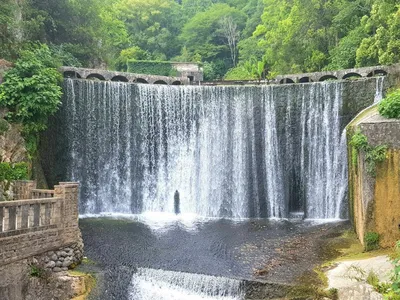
(371, 241)
(294, 36)
(373, 155)
(8, 173)
(31, 90)
(17, 171)
(162, 68)
(390, 106)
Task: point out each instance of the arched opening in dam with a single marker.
(249, 162)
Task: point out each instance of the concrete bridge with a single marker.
(96, 74)
(338, 75)
(348, 74)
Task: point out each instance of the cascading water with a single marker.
(148, 284)
(255, 151)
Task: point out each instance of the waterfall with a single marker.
(237, 151)
(379, 89)
(149, 284)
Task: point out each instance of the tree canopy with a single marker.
(287, 36)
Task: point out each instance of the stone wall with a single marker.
(189, 70)
(41, 230)
(375, 201)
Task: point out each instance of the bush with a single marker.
(371, 241)
(8, 173)
(17, 171)
(31, 90)
(390, 106)
(239, 73)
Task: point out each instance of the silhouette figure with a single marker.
(177, 203)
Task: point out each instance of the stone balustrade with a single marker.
(47, 221)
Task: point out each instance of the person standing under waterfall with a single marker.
(177, 203)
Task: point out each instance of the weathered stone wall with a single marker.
(375, 201)
(189, 70)
(32, 227)
(43, 230)
(17, 283)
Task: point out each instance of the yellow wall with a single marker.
(387, 199)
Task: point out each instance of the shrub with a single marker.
(17, 171)
(8, 173)
(31, 90)
(390, 106)
(371, 241)
(238, 73)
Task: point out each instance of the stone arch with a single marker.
(95, 76)
(71, 74)
(177, 82)
(378, 72)
(286, 80)
(305, 79)
(160, 82)
(350, 75)
(328, 77)
(119, 78)
(141, 80)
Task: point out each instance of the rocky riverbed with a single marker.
(274, 252)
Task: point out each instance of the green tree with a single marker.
(31, 90)
(152, 25)
(382, 46)
(203, 34)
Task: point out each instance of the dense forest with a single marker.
(232, 39)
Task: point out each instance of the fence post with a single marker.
(22, 189)
(69, 214)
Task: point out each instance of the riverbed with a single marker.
(138, 255)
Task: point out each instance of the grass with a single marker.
(88, 277)
(89, 282)
(313, 284)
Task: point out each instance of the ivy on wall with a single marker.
(373, 155)
(162, 68)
